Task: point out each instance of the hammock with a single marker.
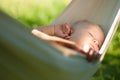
(25, 57)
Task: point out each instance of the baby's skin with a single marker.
(81, 36)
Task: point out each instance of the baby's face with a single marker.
(86, 39)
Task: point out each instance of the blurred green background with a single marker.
(33, 13)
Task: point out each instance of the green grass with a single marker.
(34, 13)
(110, 67)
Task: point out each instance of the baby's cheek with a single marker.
(97, 48)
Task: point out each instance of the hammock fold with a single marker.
(25, 57)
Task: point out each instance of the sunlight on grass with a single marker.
(34, 13)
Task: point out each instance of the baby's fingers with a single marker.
(65, 36)
(66, 29)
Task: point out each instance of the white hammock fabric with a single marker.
(25, 57)
(104, 12)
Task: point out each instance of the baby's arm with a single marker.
(49, 30)
(60, 30)
(46, 37)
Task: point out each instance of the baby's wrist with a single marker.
(51, 30)
(56, 29)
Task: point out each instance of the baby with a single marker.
(81, 36)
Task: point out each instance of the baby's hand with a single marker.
(63, 31)
(93, 56)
